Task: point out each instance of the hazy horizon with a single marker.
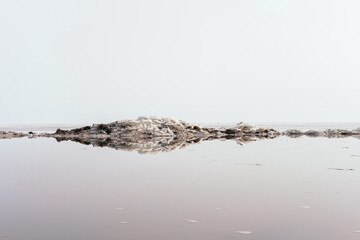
(199, 61)
(194, 122)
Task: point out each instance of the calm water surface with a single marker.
(271, 189)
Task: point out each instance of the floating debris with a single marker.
(357, 231)
(253, 164)
(119, 208)
(354, 155)
(124, 222)
(243, 232)
(190, 221)
(342, 169)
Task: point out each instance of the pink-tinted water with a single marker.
(306, 188)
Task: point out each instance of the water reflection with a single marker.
(273, 189)
(152, 145)
(157, 144)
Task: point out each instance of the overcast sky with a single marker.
(196, 60)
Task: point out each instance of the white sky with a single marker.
(196, 60)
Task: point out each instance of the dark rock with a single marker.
(59, 131)
(230, 131)
(104, 128)
(196, 128)
(312, 133)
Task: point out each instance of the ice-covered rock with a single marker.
(293, 133)
(244, 127)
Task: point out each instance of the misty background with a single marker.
(197, 60)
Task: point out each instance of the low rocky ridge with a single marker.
(329, 133)
(154, 134)
(6, 135)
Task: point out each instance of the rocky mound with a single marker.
(151, 127)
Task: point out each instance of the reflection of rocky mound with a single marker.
(150, 145)
(154, 134)
(141, 145)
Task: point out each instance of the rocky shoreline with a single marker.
(155, 134)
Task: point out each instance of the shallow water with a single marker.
(304, 188)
